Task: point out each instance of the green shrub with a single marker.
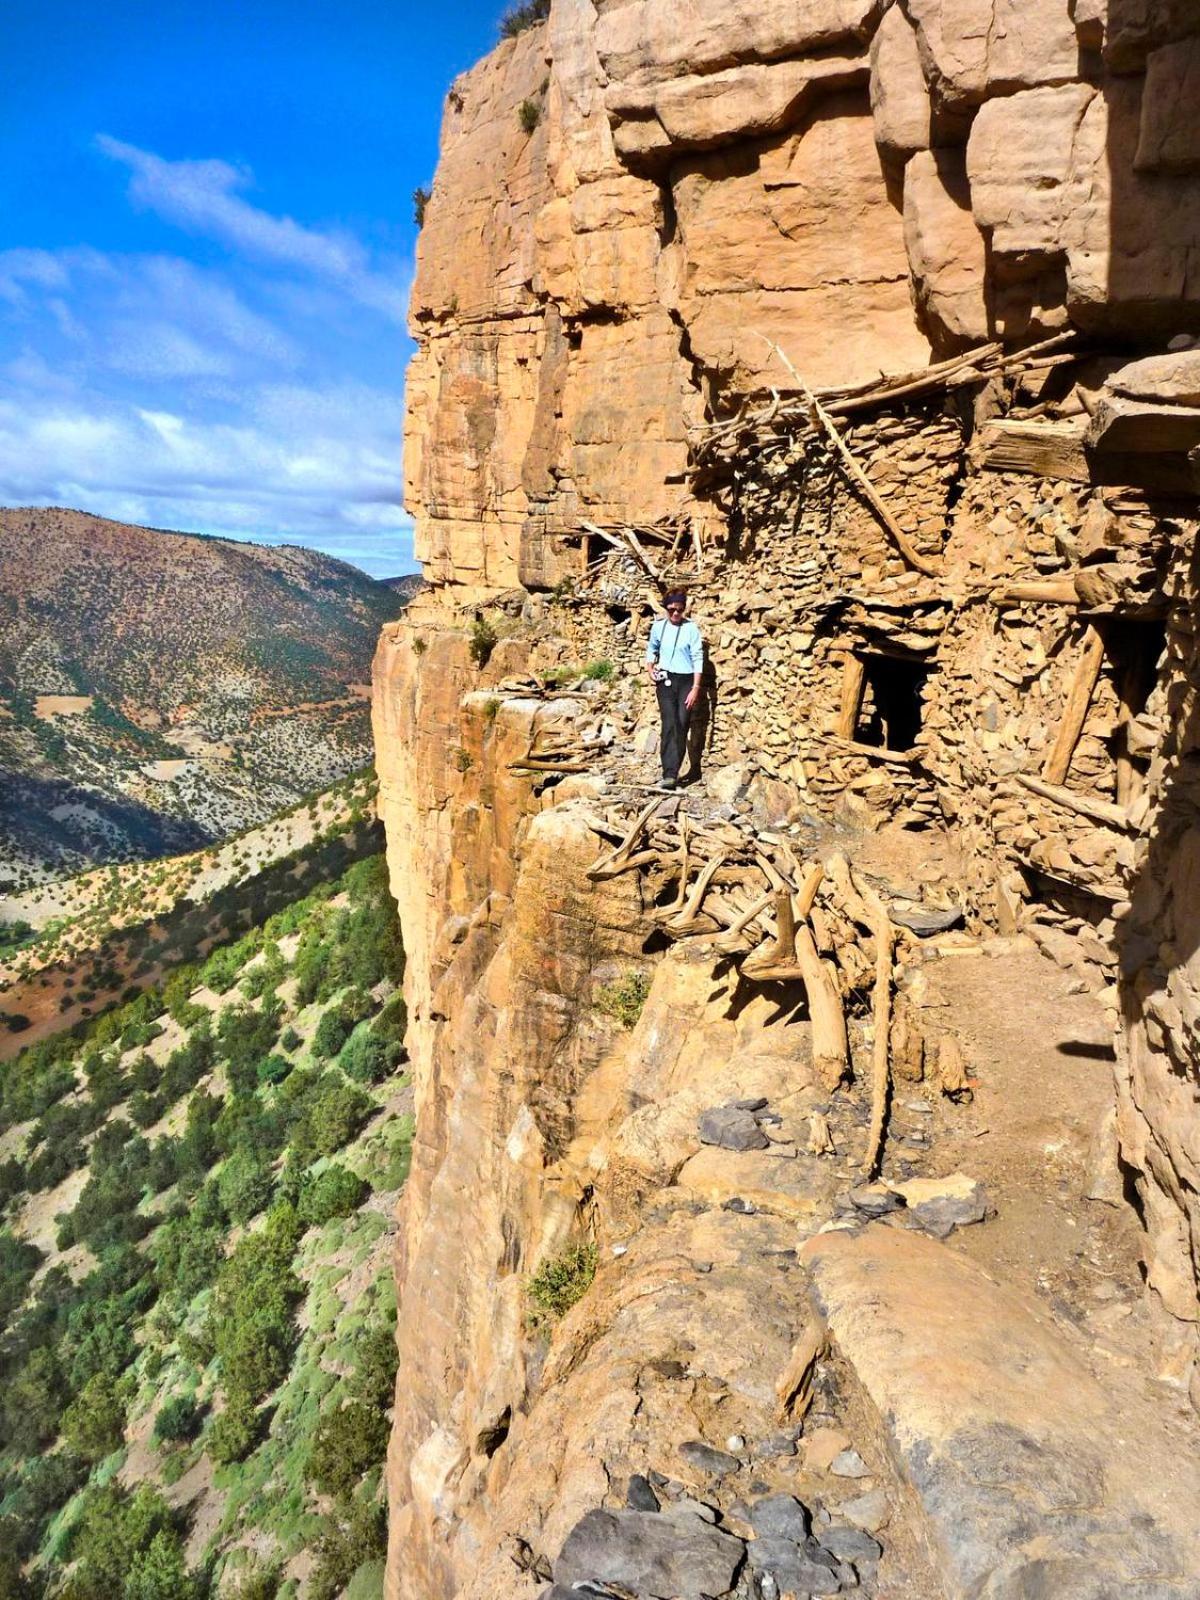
(529, 114)
(160, 1572)
(623, 999)
(273, 1069)
(599, 671)
(93, 1425)
(178, 1419)
(257, 1583)
(244, 1184)
(420, 199)
(331, 1033)
(290, 1040)
(560, 1282)
(19, 1260)
(352, 1535)
(236, 1431)
(347, 1444)
(375, 1362)
(333, 1112)
(116, 1531)
(336, 1192)
(368, 1057)
(526, 15)
(251, 1319)
(484, 639)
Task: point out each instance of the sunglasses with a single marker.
(676, 608)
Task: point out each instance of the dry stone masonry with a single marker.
(876, 325)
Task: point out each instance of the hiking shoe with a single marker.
(669, 783)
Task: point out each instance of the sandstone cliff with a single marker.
(952, 614)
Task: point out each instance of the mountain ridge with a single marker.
(160, 690)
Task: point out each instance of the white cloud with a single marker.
(201, 197)
(252, 397)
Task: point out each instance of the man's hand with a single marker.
(693, 695)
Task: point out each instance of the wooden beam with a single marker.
(1046, 449)
(1097, 810)
(854, 677)
(852, 747)
(1051, 591)
(1079, 698)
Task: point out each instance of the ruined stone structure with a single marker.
(878, 325)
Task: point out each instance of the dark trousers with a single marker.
(672, 692)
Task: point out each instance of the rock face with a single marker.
(697, 186)
(647, 221)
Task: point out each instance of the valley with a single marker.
(195, 1266)
(160, 691)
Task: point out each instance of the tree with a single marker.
(336, 1192)
(159, 1572)
(347, 1443)
(178, 1419)
(236, 1431)
(93, 1425)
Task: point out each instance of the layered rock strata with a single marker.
(650, 233)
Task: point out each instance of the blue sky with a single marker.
(206, 246)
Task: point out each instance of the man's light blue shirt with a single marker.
(676, 646)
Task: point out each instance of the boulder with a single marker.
(850, 1544)
(779, 1516)
(731, 1128)
(1172, 379)
(801, 1569)
(1025, 1468)
(974, 49)
(899, 96)
(946, 250)
(939, 1205)
(707, 1458)
(1169, 136)
(655, 1556)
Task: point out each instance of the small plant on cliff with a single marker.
(624, 998)
(484, 639)
(520, 17)
(462, 759)
(420, 199)
(560, 1282)
(420, 645)
(529, 114)
(556, 677)
(491, 710)
(599, 671)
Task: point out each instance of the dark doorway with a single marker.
(889, 714)
(1134, 648)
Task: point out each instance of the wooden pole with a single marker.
(881, 928)
(1098, 810)
(831, 1050)
(854, 677)
(1079, 698)
(825, 422)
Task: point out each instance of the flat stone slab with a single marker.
(1035, 1479)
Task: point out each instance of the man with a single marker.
(675, 662)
